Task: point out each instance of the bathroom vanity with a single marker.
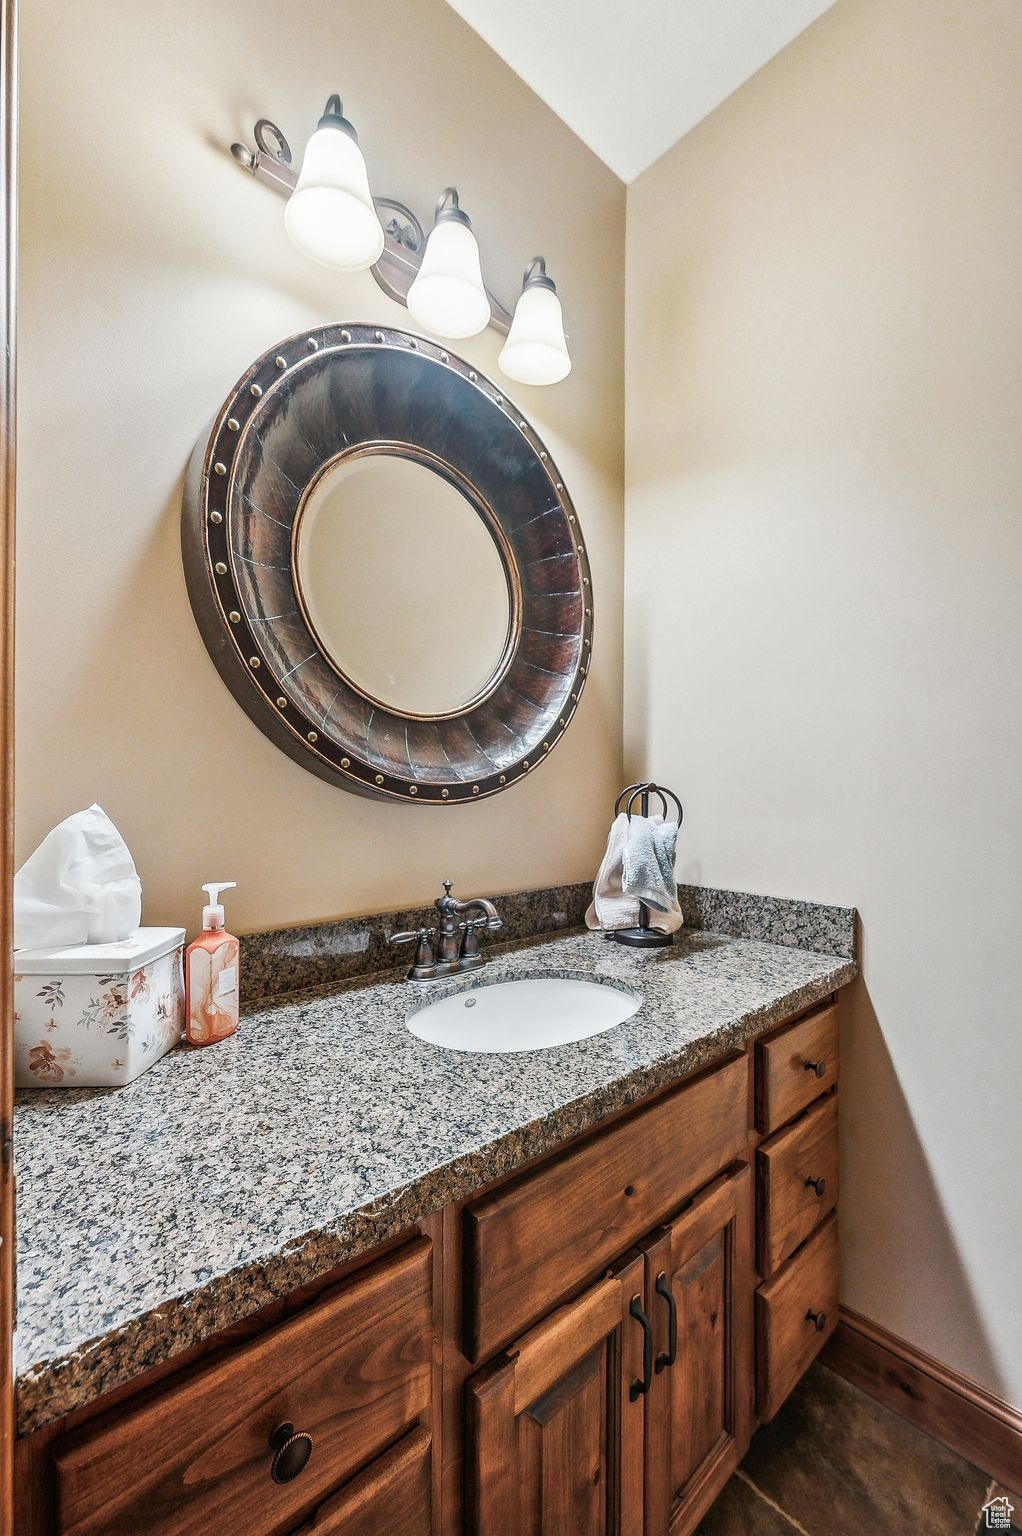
(570, 1324)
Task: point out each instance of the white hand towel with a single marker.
(610, 908)
(647, 869)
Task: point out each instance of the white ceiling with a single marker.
(631, 76)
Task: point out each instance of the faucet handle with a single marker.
(421, 938)
(470, 940)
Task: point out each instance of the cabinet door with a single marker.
(556, 1425)
(699, 1287)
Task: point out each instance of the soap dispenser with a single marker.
(211, 975)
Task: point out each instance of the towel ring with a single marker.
(645, 936)
(624, 793)
(637, 791)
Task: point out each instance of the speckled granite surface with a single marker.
(153, 1216)
(774, 919)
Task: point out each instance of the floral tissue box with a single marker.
(97, 1015)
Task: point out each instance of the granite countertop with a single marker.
(152, 1216)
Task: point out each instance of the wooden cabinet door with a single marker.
(556, 1424)
(699, 1289)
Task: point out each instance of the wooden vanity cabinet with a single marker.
(582, 1349)
(626, 1408)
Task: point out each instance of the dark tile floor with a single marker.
(836, 1463)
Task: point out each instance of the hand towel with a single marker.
(647, 869)
(612, 907)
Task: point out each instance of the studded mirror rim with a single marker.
(477, 752)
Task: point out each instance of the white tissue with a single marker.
(79, 887)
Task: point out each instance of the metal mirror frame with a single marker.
(324, 395)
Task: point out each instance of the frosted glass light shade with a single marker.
(330, 214)
(535, 351)
(447, 296)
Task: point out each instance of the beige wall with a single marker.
(153, 271)
(823, 576)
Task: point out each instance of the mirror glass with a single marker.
(402, 583)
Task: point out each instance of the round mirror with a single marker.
(386, 567)
(403, 583)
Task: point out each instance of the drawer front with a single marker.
(353, 1371)
(392, 1497)
(536, 1240)
(787, 1337)
(794, 1066)
(797, 1174)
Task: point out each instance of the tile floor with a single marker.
(835, 1463)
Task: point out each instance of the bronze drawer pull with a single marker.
(664, 1289)
(818, 1319)
(820, 1186)
(639, 1388)
(291, 1450)
(819, 1067)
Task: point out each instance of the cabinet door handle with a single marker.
(291, 1450)
(639, 1388)
(819, 1067)
(666, 1290)
(819, 1185)
(818, 1319)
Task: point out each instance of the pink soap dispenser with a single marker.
(211, 975)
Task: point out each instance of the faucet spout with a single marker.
(480, 904)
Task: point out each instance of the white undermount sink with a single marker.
(525, 1015)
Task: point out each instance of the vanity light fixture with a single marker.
(535, 351)
(334, 218)
(330, 215)
(447, 295)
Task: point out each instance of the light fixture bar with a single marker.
(404, 237)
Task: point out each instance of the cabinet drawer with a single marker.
(353, 1371)
(535, 1240)
(797, 1183)
(794, 1066)
(392, 1497)
(787, 1337)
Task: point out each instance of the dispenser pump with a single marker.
(213, 912)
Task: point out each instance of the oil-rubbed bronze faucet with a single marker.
(458, 949)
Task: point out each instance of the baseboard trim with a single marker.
(981, 1427)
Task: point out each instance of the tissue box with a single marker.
(96, 1015)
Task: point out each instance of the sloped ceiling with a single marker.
(631, 76)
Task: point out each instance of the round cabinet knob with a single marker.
(291, 1450)
(818, 1319)
(819, 1067)
(820, 1186)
